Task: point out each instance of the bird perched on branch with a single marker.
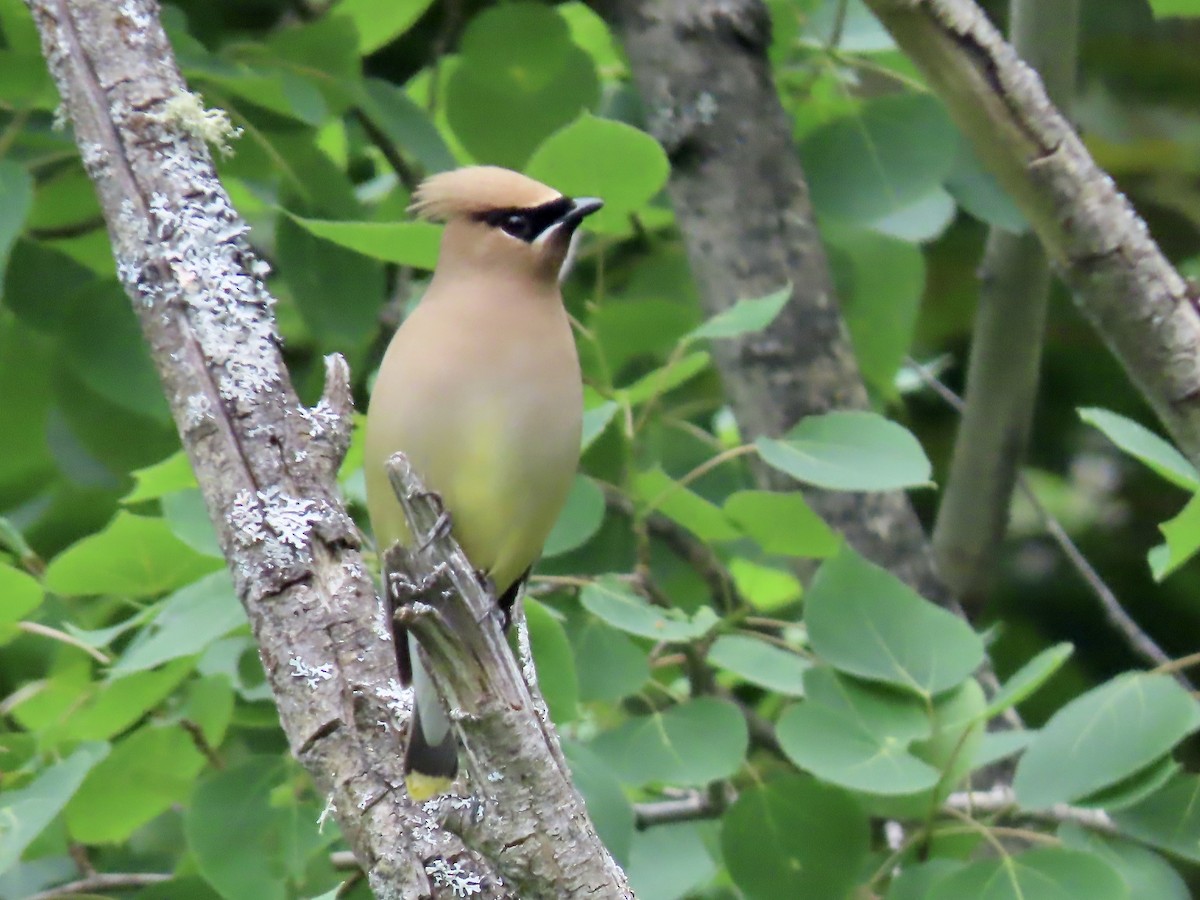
(480, 388)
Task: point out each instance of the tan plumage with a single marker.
(480, 387)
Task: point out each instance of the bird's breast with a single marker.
(488, 408)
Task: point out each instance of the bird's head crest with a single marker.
(477, 190)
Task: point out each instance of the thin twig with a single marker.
(694, 806)
(697, 554)
(114, 881)
(1002, 801)
(196, 733)
(63, 638)
(1138, 640)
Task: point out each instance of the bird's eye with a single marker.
(518, 226)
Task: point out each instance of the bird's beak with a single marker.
(583, 207)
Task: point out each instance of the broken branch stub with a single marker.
(533, 824)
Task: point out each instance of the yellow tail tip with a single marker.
(425, 787)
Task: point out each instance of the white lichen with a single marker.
(328, 811)
(321, 419)
(291, 518)
(454, 876)
(313, 675)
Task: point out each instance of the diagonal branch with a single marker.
(547, 846)
(264, 462)
(1140, 305)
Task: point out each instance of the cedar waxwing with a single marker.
(480, 387)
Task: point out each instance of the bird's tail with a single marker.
(431, 759)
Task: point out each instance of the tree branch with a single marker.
(1006, 348)
(741, 202)
(1140, 305)
(534, 825)
(114, 881)
(265, 464)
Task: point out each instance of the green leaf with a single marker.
(1183, 539)
(782, 522)
(21, 595)
(864, 621)
(1145, 873)
(187, 622)
(849, 451)
(884, 713)
(595, 420)
(405, 124)
(997, 745)
(793, 837)
(405, 243)
(610, 812)
(235, 834)
(765, 587)
(977, 191)
(1029, 678)
(663, 380)
(317, 268)
(172, 474)
(615, 602)
(1166, 8)
(502, 105)
(580, 518)
(555, 664)
(1168, 819)
(922, 220)
(693, 743)
(608, 663)
(146, 773)
(669, 862)
(1144, 445)
(379, 22)
(1048, 873)
(1104, 736)
(658, 492)
(188, 517)
(760, 663)
(744, 317)
(119, 367)
(117, 704)
(896, 150)
(841, 751)
(16, 197)
(1133, 789)
(914, 882)
(27, 811)
(133, 555)
(880, 282)
(593, 157)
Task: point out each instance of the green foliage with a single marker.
(1140, 718)
(683, 643)
(848, 451)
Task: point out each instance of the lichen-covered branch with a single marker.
(1140, 305)
(741, 201)
(544, 845)
(264, 462)
(1006, 347)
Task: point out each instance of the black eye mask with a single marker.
(527, 224)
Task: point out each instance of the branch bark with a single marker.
(1139, 304)
(548, 846)
(265, 463)
(741, 202)
(1006, 347)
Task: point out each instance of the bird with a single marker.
(480, 388)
